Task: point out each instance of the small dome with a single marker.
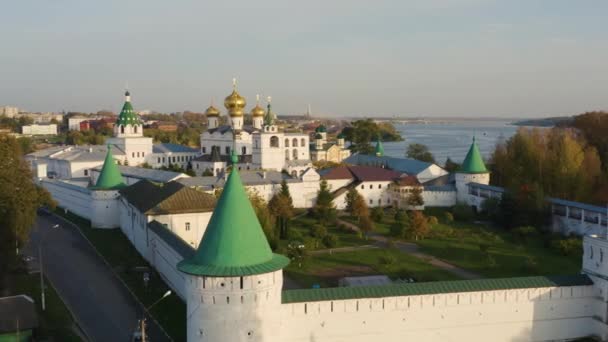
(341, 136)
(318, 136)
(257, 111)
(212, 111)
(235, 103)
(321, 129)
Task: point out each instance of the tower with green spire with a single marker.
(472, 170)
(129, 135)
(105, 211)
(233, 272)
(109, 177)
(379, 151)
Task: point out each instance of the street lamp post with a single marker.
(142, 323)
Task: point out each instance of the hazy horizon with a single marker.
(422, 58)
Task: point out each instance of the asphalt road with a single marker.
(101, 304)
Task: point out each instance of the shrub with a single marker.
(387, 259)
(398, 230)
(377, 214)
(463, 212)
(432, 220)
(530, 265)
(523, 233)
(568, 246)
(330, 240)
(449, 218)
(318, 231)
(294, 235)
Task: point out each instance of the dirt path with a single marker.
(409, 248)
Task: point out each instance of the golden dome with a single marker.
(212, 111)
(235, 103)
(257, 111)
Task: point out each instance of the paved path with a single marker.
(414, 250)
(102, 306)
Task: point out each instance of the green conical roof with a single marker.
(473, 162)
(379, 148)
(110, 177)
(127, 115)
(269, 116)
(234, 243)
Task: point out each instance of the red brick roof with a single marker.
(407, 181)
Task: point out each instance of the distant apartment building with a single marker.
(36, 129)
(42, 118)
(9, 111)
(74, 122)
(97, 124)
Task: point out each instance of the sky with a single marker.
(472, 58)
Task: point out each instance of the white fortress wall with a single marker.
(72, 197)
(434, 198)
(536, 314)
(190, 227)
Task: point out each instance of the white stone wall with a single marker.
(69, 196)
(235, 309)
(208, 140)
(164, 260)
(439, 198)
(177, 223)
(541, 314)
(50, 129)
(180, 159)
(137, 150)
(264, 155)
(105, 209)
(462, 179)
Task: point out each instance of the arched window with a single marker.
(286, 142)
(295, 154)
(294, 173)
(122, 129)
(286, 154)
(302, 142)
(135, 129)
(295, 142)
(274, 141)
(244, 150)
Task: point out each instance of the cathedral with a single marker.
(260, 144)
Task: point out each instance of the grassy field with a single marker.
(302, 225)
(461, 244)
(56, 321)
(128, 264)
(327, 269)
(506, 256)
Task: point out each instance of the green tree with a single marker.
(351, 197)
(414, 198)
(419, 225)
(451, 166)
(420, 152)
(19, 200)
(281, 207)
(366, 224)
(401, 226)
(377, 214)
(263, 214)
(324, 208)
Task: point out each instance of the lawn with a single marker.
(507, 256)
(326, 269)
(55, 322)
(459, 243)
(302, 224)
(129, 265)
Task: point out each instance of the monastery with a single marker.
(215, 256)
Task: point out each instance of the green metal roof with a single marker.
(473, 162)
(127, 115)
(318, 136)
(109, 177)
(437, 287)
(341, 136)
(321, 129)
(269, 116)
(234, 243)
(379, 148)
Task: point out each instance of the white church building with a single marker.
(262, 145)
